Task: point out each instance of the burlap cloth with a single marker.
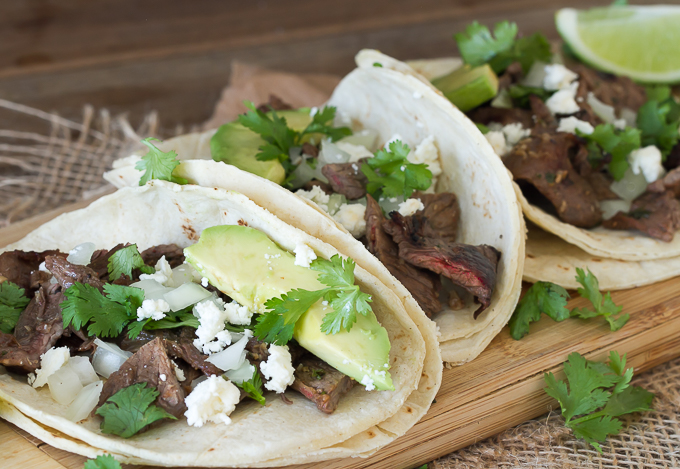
(64, 164)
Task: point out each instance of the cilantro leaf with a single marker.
(157, 164)
(618, 143)
(604, 306)
(520, 95)
(175, 319)
(543, 297)
(390, 174)
(658, 119)
(253, 387)
(125, 260)
(130, 410)
(591, 386)
(337, 271)
(105, 461)
(13, 301)
(276, 326)
(322, 124)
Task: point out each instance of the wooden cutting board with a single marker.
(502, 388)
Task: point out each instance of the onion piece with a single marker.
(197, 381)
(231, 357)
(81, 254)
(152, 289)
(186, 295)
(64, 385)
(85, 402)
(535, 76)
(631, 186)
(84, 369)
(303, 174)
(602, 110)
(108, 358)
(330, 153)
(612, 207)
(334, 202)
(391, 204)
(241, 374)
(182, 274)
(365, 137)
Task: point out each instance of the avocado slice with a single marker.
(468, 87)
(237, 145)
(249, 267)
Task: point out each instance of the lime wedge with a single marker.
(641, 42)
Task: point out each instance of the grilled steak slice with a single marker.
(673, 158)
(18, 267)
(346, 179)
(422, 284)
(471, 267)
(149, 365)
(38, 329)
(543, 161)
(275, 103)
(617, 91)
(670, 182)
(173, 254)
(542, 116)
(439, 218)
(486, 115)
(311, 150)
(309, 185)
(321, 383)
(511, 76)
(68, 274)
(654, 213)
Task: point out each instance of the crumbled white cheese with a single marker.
(428, 153)
(154, 309)
(355, 152)
(563, 101)
(278, 369)
(211, 400)
(410, 206)
(368, 383)
(237, 314)
(162, 377)
(304, 255)
(50, 362)
(572, 124)
(647, 161)
(558, 77)
(163, 274)
(204, 282)
(316, 195)
(351, 216)
(497, 140)
(513, 133)
(210, 335)
(179, 373)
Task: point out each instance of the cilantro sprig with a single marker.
(123, 261)
(551, 299)
(280, 138)
(658, 119)
(13, 301)
(617, 143)
(253, 388)
(595, 394)
(344, 300)
(390, 174)
(105, 461)
(478, 46)
(130, 410)
(158, 164)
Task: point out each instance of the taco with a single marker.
(178, 287)
(455, 222)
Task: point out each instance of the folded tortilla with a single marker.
(165, 213)
(394, 99)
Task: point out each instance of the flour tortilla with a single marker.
(394, 99)
(163, 213)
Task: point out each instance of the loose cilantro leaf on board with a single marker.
(618, 143)
(253, 387)
(477, 46)
(658, 119)
(130, 410)
(158, 164)
(542, 297)
(13, 301)
(603, 306)
(390, 174)
(102, 462)
(344, 300)
(591, 386)
(125, 260)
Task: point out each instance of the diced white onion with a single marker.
(231, 357)
(81, 254)
(304, 173)
(84, 369)
(64, 385)
(197, 381)
(331, 153)
(182, 274)
(334, 202)
(152, 289)
(85, 402)
(366, 138)
(241, 374)
(630, 186)
(295, 155)
(536, 75)
(391, 204)
(186, 295)
(629, 116)
(612, 207)
(602, 110)
(108, 358)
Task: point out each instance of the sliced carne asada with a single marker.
(151, 365)
(310, 150)
(654, 213)
(423, 284)
(673, 158)
(68, 274)
(542, 160)
(275, 103)
(511, 76)
(173, 254)
(346, 179)
(321, 383)
(670, 182)
(471, 267)
(440, 215)
(21, 267)
(541, 115)
(617, 91)
(14, 357)
(309, 185)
